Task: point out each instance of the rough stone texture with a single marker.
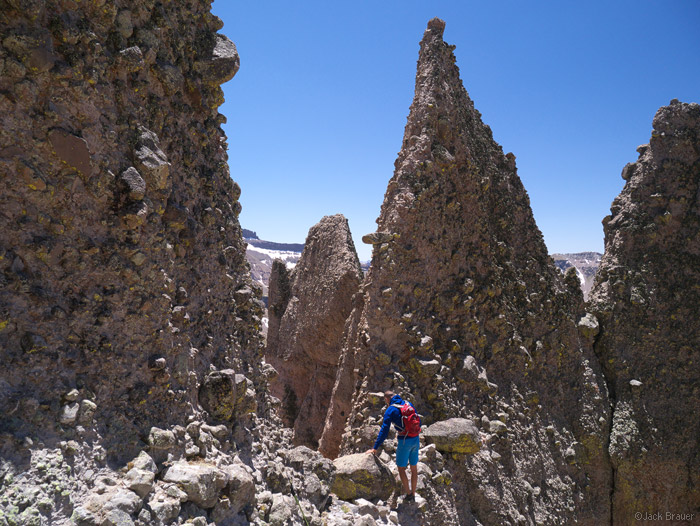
(217, 394)
(362, 476)
(279, 293)
(201, 482)
(456, 435)
(308, 309)
(466, 281)
(319, 473)
(121, 256)
(647, 300)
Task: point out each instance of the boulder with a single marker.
(164, 507)
(456, 435)
(589, 327)
(201, 482)
(223, 63)
(377, 238)
(240, 489)
(306, 460)
(150, 160)
(217, 394)
(362, 476)
(318, 473)
(140, 481)
(132, 184)
(161, 439)
(282, 510)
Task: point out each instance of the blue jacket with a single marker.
(391, 416)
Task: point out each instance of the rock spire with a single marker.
(464, 313)
(308, 308)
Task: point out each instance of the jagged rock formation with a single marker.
(465, 314)
(122, 266)
(647, 299)
(307, 309)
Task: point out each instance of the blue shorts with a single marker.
(407, 451)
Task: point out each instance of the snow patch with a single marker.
(285, 255)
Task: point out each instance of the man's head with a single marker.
(388, 395)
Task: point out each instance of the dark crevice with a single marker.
(609, 378)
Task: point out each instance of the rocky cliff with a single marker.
(308, 308)
(647, 299)
(122, 266)
(465, 314)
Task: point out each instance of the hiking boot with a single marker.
(409, 498)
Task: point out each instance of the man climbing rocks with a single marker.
(407, 423)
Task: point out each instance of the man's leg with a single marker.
(404, 478)
(413, 460)
(402, 453)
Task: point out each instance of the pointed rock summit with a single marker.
(308, 308)
(464, 313)
(647, 298)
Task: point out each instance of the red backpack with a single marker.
(410, 420)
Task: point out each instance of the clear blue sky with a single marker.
(317, 111)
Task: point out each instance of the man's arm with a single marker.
(383, 432)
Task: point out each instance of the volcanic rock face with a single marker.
(307, 312)
(648, 302)
(122, 273)
(464, 313)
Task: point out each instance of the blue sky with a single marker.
(317, 111)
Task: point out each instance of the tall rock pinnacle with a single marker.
(307, 316)
(464, 313)
(647, 297)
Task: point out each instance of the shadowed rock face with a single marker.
(308, 310)
(464, 313)
(122, 264)
(647, 299)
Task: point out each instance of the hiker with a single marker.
(407, 423)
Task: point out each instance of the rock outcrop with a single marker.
(647, 300)
(465, 314)
(308, 308)
(123, 279)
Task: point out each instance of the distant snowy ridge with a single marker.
(586, 264)
(261, 253)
